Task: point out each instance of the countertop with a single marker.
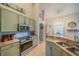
(8, 42)
(58, 40)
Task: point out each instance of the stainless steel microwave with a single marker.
(24, 28)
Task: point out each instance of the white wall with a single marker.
(28, 7)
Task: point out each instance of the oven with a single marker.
(25, 41)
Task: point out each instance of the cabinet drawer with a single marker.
(10, 46)
(6, 47)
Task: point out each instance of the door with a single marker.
(41, 33)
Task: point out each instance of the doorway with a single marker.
(41, 33)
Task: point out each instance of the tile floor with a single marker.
(38, 50)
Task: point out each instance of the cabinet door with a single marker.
(9, 21)
(27, 20)
(34, 40)
(57, 51)
(32, 24)
(49, 48)
(10, 50)
(21, 19)
(65, 53)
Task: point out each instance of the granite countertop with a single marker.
(63, 48)
(8, 42)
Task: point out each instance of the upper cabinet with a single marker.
(21, 19)
(9, 20)
(32, 25)
(27, 21)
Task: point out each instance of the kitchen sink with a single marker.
(74, 50)
(63, 44)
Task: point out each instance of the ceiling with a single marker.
(58, 9)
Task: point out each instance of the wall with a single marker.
(63, 13)
(64, 20)
(58, 9)
(28, 7)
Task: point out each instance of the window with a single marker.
(58, 30)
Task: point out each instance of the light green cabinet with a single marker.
(65, 53)
(53, 50)
(57, 51)
(32, 24)
(9, 21)
(21, 19)
(11, 50)
(35, 42)
(27, 21)
(49, 48)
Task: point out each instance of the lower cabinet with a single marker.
(65, 53)
(49, 48)
(57, 51)
(35, 42)
(10, 50)
(53, 50)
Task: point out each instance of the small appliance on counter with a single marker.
(32, 33)
(6, 37)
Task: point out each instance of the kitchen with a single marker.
(25, 27)
(17, 30)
